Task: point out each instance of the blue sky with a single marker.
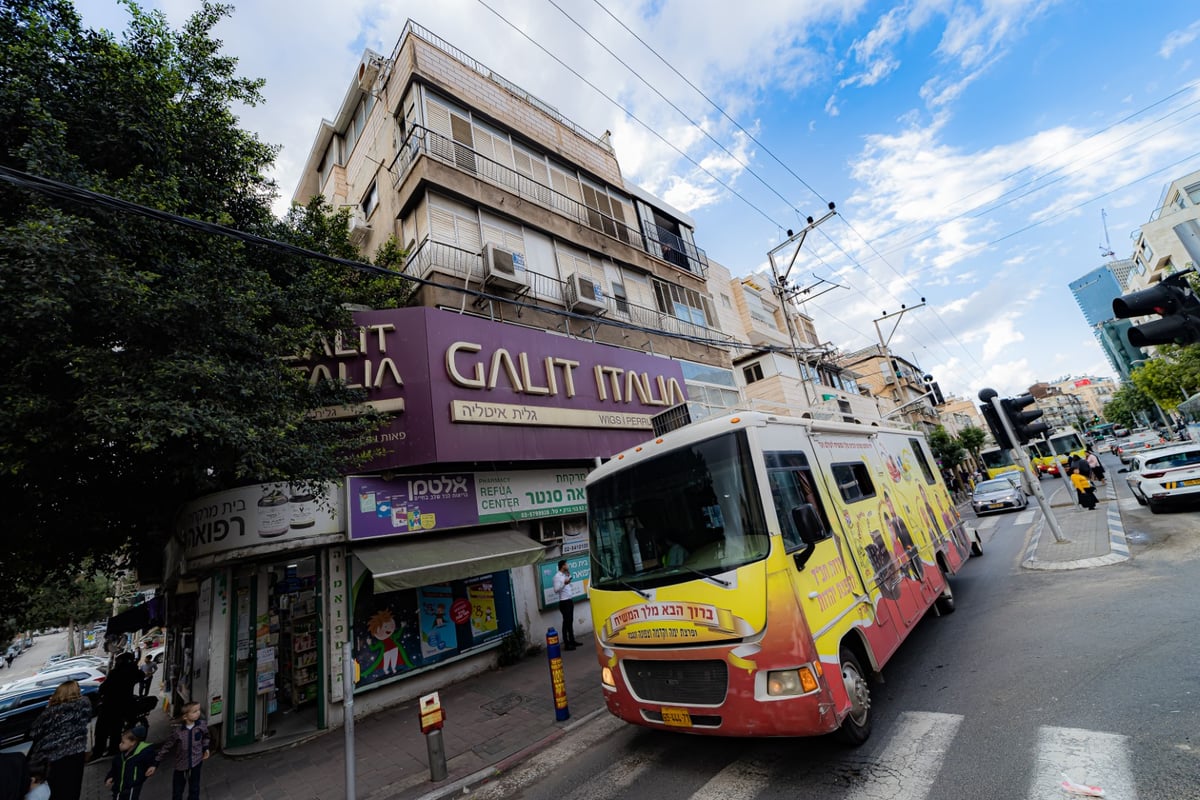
(969, 146)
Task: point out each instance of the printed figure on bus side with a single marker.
(906, 552)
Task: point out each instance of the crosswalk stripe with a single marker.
(1025, 517)
(913, 755)
(741, 780)
(1087, 757)
(986, 522)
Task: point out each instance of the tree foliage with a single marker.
(1127, 403)
(946, 448)
(972, 439)
(1170, 378)
(143, 361)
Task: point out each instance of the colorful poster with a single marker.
(410, 504)
(437, 630)
(483, 607)
(581, 576)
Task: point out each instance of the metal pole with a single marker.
(1019, 454)
(348, 710)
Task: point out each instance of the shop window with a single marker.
(400, 632)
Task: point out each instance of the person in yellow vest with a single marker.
(1083, 487)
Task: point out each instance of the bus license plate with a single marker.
(676, 717)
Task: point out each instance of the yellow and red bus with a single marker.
(750, 574)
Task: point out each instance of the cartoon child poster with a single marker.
(386, 653)
(438, 633)
(483, 608)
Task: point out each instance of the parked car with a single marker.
(76, 662)
(998, 494)
(19, 708)
(1120, 431)
(1166, 476)
(1136, 443)
(54, 677)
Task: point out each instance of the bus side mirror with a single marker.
(808, 524)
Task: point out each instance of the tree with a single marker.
(143, 361)
(1168, 378)
(946, 448)
(1127, 403)
(972, 439)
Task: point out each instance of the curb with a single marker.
(1118, 545)
(462, 785)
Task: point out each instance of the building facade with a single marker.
(556, 310)
(1160, 247)
(901, 387)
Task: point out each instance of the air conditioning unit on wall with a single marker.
(360, 229)
(368, 70)
(585, 294)
(504, 267)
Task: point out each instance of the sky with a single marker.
(981, 154)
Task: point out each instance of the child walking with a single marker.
(133, 763)
(190, 741)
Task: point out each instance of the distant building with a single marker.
(1114, 341)
(1094, 292)
(893, 379)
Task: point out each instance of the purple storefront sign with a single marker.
(410, 504)
(461, 389)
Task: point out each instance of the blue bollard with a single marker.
(558, 680)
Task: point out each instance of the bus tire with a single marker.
(976, 545)
(856, 727)
(945, 602)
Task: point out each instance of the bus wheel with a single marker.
(945, 601)
(976, 545)
(856, 727)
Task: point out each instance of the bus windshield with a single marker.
(1038, 449)
(993, 459)
(691, 511)
(1066, 443)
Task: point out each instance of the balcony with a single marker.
(424, 142)
(432, 256)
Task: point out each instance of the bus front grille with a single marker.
(701, 683)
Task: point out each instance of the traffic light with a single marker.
(993, 419)
(1022, 422)
(1173, 300)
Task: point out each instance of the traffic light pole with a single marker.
(1021, 458)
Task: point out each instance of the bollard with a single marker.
(432, 717)
(558, 681)
(348, 665)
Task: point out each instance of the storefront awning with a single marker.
(139, 618)
(408, 564)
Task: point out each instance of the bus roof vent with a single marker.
(672, 419)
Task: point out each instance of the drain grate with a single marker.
(502, 705)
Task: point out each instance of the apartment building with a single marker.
(897, 382)
(1162, 244)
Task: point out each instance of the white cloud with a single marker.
(1175, 40)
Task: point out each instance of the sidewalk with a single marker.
(493, 720)
(1094, 538)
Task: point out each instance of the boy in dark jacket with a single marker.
(190, 742)
(131, 765)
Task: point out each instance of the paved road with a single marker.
(35, 657)
(1090, 673)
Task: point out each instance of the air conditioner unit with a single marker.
(368, 70)
(585, 294)
(550, 530)
(504, 267)
(359, 228)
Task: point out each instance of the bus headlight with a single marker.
(784, 682)
(606, 678)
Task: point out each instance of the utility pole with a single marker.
(781, 291)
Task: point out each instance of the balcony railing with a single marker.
(422, 141)
(432, 256)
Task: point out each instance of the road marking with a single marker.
(1128, 504)
(986, 522)
(1025, 517)
(913, 756)
(1093, 758)
(741, 780)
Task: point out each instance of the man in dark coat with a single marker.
(117, 704)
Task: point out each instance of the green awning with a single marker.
(410, 563)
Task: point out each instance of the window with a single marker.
(725, 301)
(620, 298)
(1178, 202)
(753, 372)
(793, 486)
(683, 303)
(853, 481)
(922, 462)
(1193, 193)
(759, 312)
(370, 200)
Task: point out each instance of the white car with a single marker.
(75, 662)
(56, 676)
(1166, 476)
(1136, 443)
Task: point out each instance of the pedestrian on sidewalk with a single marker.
(566, 604)
(131, 766)
(1093, 461)
(1083, 488)
(60, 736)
(190, 742)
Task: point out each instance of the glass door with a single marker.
(240, 724)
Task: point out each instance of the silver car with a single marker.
(998, 494)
